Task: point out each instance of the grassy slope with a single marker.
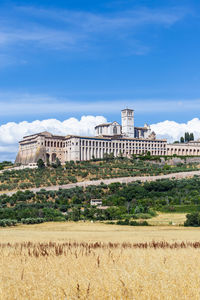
(82, 171)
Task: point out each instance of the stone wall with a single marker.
(25, 158)
(177, 160)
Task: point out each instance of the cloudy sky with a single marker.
(65, 66)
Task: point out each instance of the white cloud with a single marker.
(173, 131)
(11, 133)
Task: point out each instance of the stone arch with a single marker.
(47, 158)
(53, 157)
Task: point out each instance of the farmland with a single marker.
(95, 257)
(98, 261)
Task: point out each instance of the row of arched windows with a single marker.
(183, 151)
(54, 144)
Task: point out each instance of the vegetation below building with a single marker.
(130, 202)
(5, 164)
(88, 170)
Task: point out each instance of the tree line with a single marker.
(120, 201)
(187, 137)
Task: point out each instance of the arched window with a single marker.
(47, 158)
(53, 157)
(115, 130)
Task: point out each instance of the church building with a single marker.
(120, 139)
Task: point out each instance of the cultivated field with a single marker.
(98, 261)
(163, 219)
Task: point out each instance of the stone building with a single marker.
(108, 129)
(184, 149)
(127, 129)
(125, 139)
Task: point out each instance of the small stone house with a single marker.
(96, 202)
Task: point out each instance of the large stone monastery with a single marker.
(125, 139)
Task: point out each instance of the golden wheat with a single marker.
(66, 261)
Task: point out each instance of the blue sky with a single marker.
(62, 59)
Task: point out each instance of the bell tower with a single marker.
(127, 116)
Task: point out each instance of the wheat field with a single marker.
(98, 261)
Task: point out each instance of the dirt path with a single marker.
(111, 180)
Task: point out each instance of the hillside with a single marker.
(131, 201)
(89, 170)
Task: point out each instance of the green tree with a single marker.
(187, 137)
(75, 214)
(192, 219)
(182, 140)
(191, 136)
(57, 164)
(108, 157)
(40, 164)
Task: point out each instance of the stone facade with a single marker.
(189, 149)
(127, 116)
(108, 129)
(43, 145)
(77, 148)
(110, 138)
(126, 130)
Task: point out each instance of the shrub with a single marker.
(132, 223)
(193, 219)
(59, 219)
(32, 220)
(72, 179)
(123, 222)
(135, 223)
(8, 222)
(142, 216)
(40, 164)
